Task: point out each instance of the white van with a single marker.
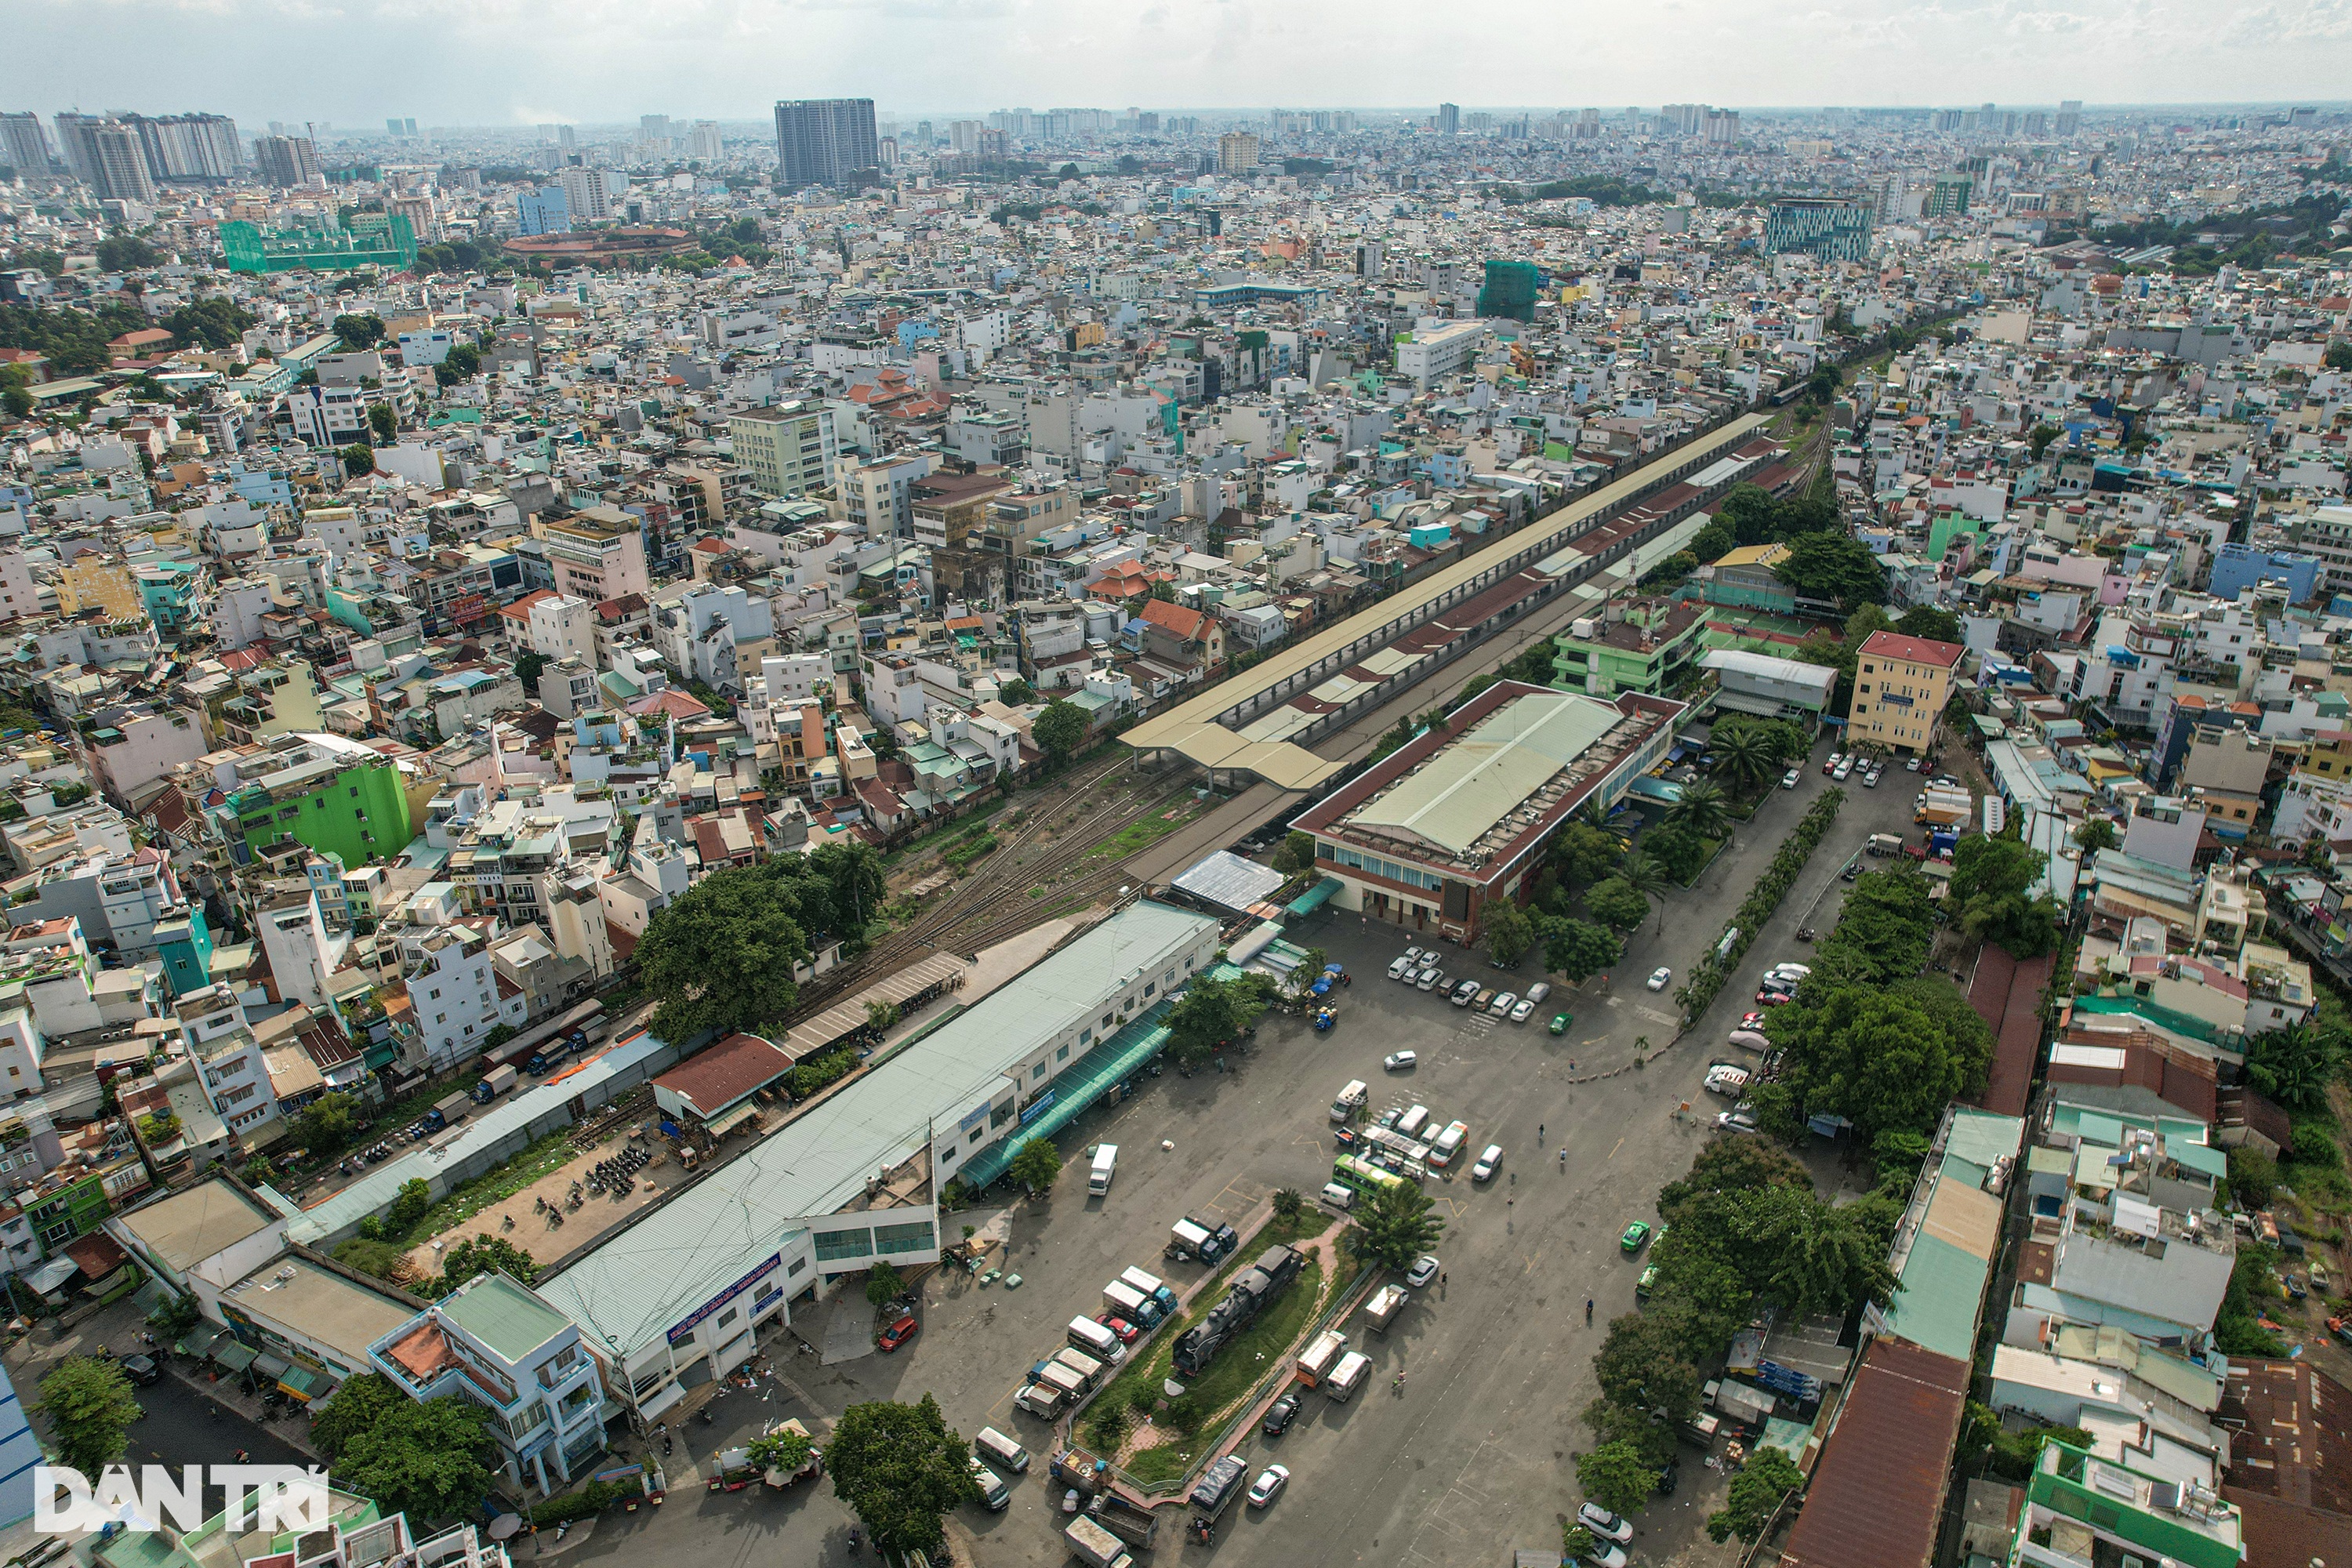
(1000, 1450)
(1097, 1341)
(993, 1490)
(1351, 1099)
(1411, 1123)
(1348, 1376)
(1337, 1197)
(1449, 1144)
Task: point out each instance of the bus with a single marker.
(1362, 1175)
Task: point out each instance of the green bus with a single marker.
(1362, 1175)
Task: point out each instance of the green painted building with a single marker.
(1651, 651)
(335, 795)
(2081, 1507)
(370, 239)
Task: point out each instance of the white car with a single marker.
(1790, 779)
(1502, 1005)
(1870, 779)
(1844, 770)
(1490, 1159)
(1792, 970)
(1401, 969)
(1603, 1524)
(1428, 980)
(1269, 1484)
(1539, 990)
(1524, 1011)
(1659, 977)
(1738, 1119)
(1418, 956)
(1397, 1061)
(1605, 1554)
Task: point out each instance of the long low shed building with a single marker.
(674, 1299)
(1261, 722)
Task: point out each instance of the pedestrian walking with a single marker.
(1440, 1279)
(1588, 1311)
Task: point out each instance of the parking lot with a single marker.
(1473, 1455)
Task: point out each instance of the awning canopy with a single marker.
(731, 1118)
(235, 1354)
(303, 1383)
(53, 1275)
(1076, 1088)
(272, 1365)
(200, 1340)
(1313, 897)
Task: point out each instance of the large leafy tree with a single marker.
(1751, 513)
(1883, 932)
(1617, 1477)
(1509, 932)
(1702, 810)
(903, 1470)
(1645, 1363)
(90, 1410)
(1060, 729)
(1035, 1164)
(427, 1460)
(1212, 1011)
(358, 332)
(1989, 879)
(2293, 1066)
(1584, 854)
(1755, 1495)
(1646, 874)
(1617, 903)
(1884, 1058)
(721, 957)
(1578, 949)
(1677, 848)
(1395, 1224)
(1927, 621)
(358, 1404)
(1826, 565)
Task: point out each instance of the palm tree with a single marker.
(1394, 1225)
(1702, 810)
(1645, 876)
(1745, 757)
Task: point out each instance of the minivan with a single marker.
(1000, 1450)
(1337, 1197)
(1351, 1099)
(1449, 1144)
(1413, 1121)
(991, 1487)
(1097, 1341)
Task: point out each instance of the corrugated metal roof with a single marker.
(632, 1288)
(1877, 1495)
(1475, 782)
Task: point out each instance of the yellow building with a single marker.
(95, 581)
(1900, 687)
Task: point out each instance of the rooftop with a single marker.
(182, 1229)
(502, 1315)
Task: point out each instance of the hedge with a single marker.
(1714, 971)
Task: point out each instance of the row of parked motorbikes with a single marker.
(618, 1175)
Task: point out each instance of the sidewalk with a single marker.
(291, 1425)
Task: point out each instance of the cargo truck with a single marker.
(1042, 1400)
(1939, 806)
(1152, 1286)
(1079, 1361)
(1190, 1238)
(1382, 1309)
(495, 1082)
(1096, 1546)
(1074, 1467)
(1136, 1526)
(1105, 1164)
(1219, 1486)
(1348, 1376)
(1141, 1311)
(1053, 1373)
(449, 1111)
(1321, 1355)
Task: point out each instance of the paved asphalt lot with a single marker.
(1475, 1456)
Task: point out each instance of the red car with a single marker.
(1752, 1021)
(1774, 998)
(899, 1333)
(1120, 1326)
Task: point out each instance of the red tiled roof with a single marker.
(726, 1072)
(1877, 1495)
(1189, 624)
(1912, 651)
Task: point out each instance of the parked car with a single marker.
(1751, 1020)
(1636, 1235)
(1659, 977)
(1769, 997)
(1281, 1413)
(1523, 1010)
(1738, 1119)
(1830, 767)
(1125, 1331)
(1603, 1524)
(1481, 998)
(1428, 980)
(1465, 992)
(1538, 991)
(1397, 1061)
(1844, 770)
(1604, 1554)
(1401, 969)
(1502, 1005)
(1790, 779)
(1870, 779)
(1558, 1025)
(1424, 1269)
(1268, 1485)
(899, 1333)
(1490, 1159)
(141, 1370)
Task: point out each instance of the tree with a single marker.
(1509, 932)
(1060, 729)
(902, 1470)
(1750, 512)
(1833, 566)
(359, 459)
(89, 1409)
(1736, 1163)
(1755, 1495)
(358, 1405)
(1212, 1012)
(1395, 1224)
(1702, 810)
(328, 1123)
(384, 422)
(1714, 541)
(1927, 621)
(526, 668)
(408, 1206)
(883, 1282)
(2042, 438)
(1645, 1364)
(359, 333)
(2293, 1066)
(1885, 1058)
(1744, 758)
(782, 1449)
(463, 362)
(1647, 1435)
(1575, 1542)
(2096, 833)
(1035, 1164)
(721, 956)
(1584, 854)
(1646, 874)
(486, 1254)
(1616, 1476)
(1294, 854)
(1618, 904)
(1676, 848)
(126, 253)
(1989, 879)
(1288, 1204)
(426, 1460)
(1578, 949)
(2339, 356)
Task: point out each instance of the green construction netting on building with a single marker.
(1077, 1090)
(1510, 290)
(370, 240)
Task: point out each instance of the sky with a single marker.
(524, 62)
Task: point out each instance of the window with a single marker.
(1063, 1055)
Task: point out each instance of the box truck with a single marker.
(1106, 1163)
(1321, 1355)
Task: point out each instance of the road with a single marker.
(181, 1426)
(1476, 1456)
